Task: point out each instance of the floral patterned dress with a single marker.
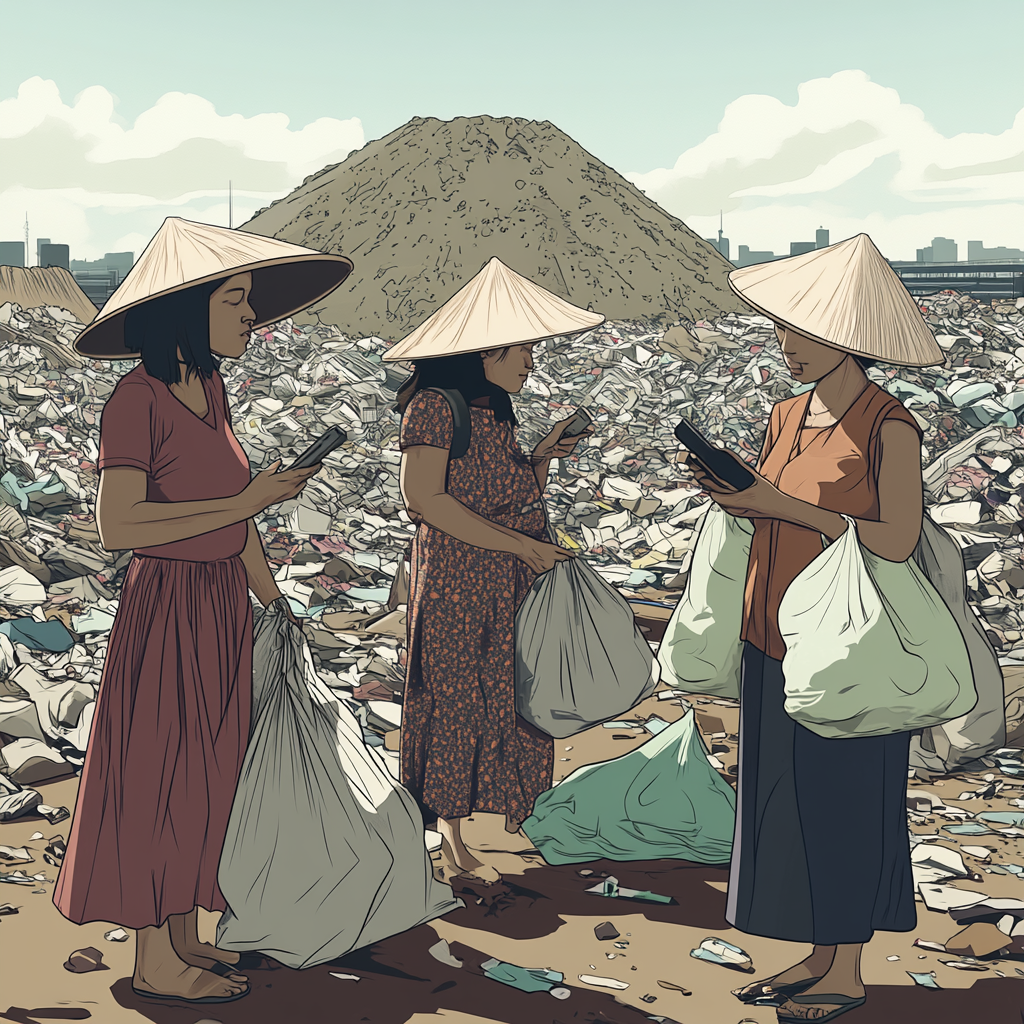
(464, 749)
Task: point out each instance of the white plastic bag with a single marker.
(324, 852)
(580, 656)
(871, 648)
(701, 650)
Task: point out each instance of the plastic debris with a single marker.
(598, 982)
(526, 979)
(442, 954)
(718, 951)
(610, 887)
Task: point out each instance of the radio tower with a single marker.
(26, 238)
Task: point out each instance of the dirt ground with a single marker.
(549, 924)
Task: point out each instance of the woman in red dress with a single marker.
(172, 715)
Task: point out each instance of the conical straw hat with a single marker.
(498, 308)
(846, 296)
(183, 253)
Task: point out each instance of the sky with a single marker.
(902, 120)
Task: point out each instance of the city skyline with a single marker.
(101, 140)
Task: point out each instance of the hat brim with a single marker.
(782, 321)
(280, 288)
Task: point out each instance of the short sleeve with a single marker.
(126, 427)
(427, 421)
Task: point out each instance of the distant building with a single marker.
(748, 257)
(986, 281)
(99, 279)
(54, 255)
(942, 250)
(821, 238)
(796, 248)
(98, 285)
(722, 243)
(12, 254)
(40, 242)
(977, 251)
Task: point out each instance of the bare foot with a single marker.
(186, 982)
(468, 866)
(208, 963)
(815, 966)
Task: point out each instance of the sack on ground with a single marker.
(871, 648)
(580, 655)
(324, 852)
(701, 651)
(661, 800)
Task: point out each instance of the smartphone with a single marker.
(713, 459)
(320, 449)
(578, 423)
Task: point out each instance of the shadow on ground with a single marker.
(544, 895)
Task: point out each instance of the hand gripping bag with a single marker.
(871, 648)
(701, 650)
(580, 656)
(324, 851)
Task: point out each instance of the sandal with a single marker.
(185, 999)
(782, 991)
(841, 1002)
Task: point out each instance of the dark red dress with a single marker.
(172, 718)
(464, 748)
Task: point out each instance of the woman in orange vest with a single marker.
(845, 446)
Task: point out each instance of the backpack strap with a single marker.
(462, 426)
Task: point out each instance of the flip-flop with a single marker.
(842, 1003)
(783, 991)
(184, 999)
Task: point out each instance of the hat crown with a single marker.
(497, 308)
(846, 296)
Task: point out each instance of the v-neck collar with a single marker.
(210, 419)
(789, 437)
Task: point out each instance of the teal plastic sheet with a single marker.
(661, 800)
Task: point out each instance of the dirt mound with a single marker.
(422, 210)
(30, 287)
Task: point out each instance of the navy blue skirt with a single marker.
(820, 852)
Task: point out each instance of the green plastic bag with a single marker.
(701, 650)
(661, 800)
(871, 647)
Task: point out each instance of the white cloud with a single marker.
(87, 180)
(852, 156)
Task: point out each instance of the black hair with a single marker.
(463, 372)
(161, 326)
(864, 363)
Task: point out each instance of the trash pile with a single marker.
(340, 550)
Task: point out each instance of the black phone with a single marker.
(579, 422)
(320, 449)
(714, 460)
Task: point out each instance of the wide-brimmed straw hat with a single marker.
(846, 296)
(285, 278)
(496, 309)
